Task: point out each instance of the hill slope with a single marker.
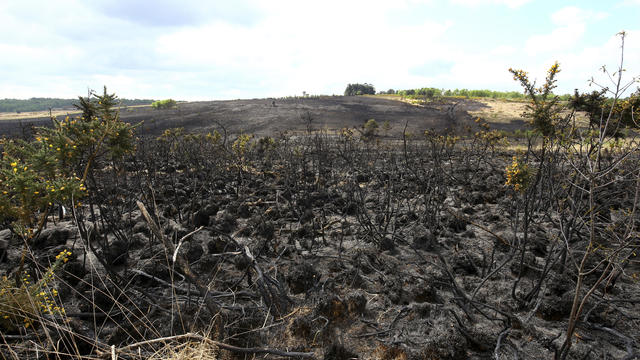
(262, 117)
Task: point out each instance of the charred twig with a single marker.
(272, 297)
(496, 351)
(180, 260)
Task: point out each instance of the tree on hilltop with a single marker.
(359, 89)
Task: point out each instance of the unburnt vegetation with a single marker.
(328, 244)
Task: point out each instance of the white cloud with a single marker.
(509, 3)
(291, 50)
(579, 66)
(588, 63)
(572, 24)
(280, 47)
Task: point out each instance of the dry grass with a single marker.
(35, 114)
(500, 111)
(506, 111)
(45, 113)
(190, 350)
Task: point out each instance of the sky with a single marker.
(221, 49)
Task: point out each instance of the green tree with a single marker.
(359, 89)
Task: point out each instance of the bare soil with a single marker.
(330, 247)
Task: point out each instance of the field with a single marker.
(261, 117)
(317, 239)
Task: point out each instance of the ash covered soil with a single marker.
(325, 246)
(261, 117)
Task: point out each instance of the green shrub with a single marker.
(24, 305)
(52, 168)
(164, 104)
(370, 129)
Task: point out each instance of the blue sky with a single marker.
(201, 50)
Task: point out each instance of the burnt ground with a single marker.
(260, 117)
(331, 247)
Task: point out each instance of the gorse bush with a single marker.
(24, 305)
(53, 168)
(164, 104)
(588, 179)
(370, 129)
(543, 109)
(518, 174)
(241, 145)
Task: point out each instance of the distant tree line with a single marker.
(359, 89)
(483, 93)
(42, 104)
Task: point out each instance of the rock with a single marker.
(5, 236)
(53, 236)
